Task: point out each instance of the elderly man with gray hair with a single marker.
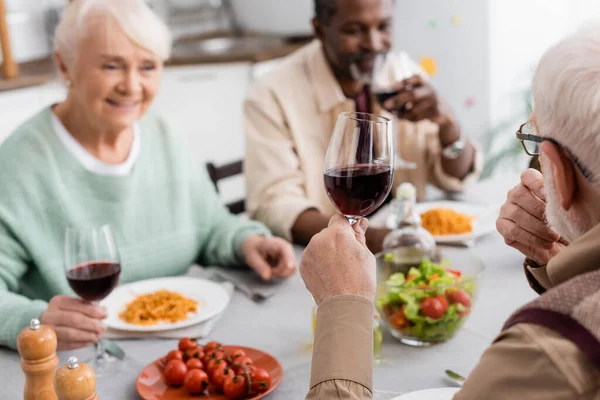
(550, 348)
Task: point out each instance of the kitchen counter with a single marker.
(207, 49)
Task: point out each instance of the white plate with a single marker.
(483, 224)
(429, 394)
(210, 295)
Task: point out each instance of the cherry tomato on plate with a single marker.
(211, 346)
(235, 353)
(240, 362)
(195, 352)
(220, 375)
(214, 365)
(187, 343)
(174, 355)
(175, 372)
(235, 387)
(194, 363)
(260, 381)
(195, 381)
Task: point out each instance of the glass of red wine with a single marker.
(359, 165)
(389, 71)
(93, 268)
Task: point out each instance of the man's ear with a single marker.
(318, 28)
(563, 173)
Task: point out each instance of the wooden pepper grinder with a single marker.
(10, 69)
(75, 381)
(37, 346)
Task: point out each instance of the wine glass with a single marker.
(389, 70)
(359, 164)
(93, 267)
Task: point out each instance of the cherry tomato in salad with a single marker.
(444, 301)
(454, 272)
(235, 387)
(194, 363)
(174, 355)
(433, 308)
(459, 296)
(220, 376)
(260, 381)
(398, 319)
(187, 343)
(175, 372)
(195, 381)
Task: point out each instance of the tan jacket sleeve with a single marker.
(532, 362)
(274, 182)
(343, 323)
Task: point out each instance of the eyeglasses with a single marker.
(527, 134)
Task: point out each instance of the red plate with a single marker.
(151, 385)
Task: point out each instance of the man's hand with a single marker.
(416, 100)
(337, 261)
(270, 257)
(521, 221)
(77, 323)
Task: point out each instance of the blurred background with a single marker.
(481, 55)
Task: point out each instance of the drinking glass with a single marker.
(359, 165)
(93, 267)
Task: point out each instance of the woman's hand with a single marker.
(270, 257)
(77, 323)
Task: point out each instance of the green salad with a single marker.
(428, 303)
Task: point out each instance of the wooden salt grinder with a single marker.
(10, 69)
(37, 346)
(75, 381)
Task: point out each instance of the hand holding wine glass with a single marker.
(93, 268)
(77, 323)
(359, 164)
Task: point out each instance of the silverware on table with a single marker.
(113, 349)
(253, 295)
(455, 377)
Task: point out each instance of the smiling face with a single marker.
(355, 34)
(113, 80)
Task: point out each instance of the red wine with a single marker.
(386, 94)
(358, 190)
(95, 280)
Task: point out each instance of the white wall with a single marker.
(460, 50)
(520, 32)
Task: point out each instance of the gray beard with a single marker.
(564, 222)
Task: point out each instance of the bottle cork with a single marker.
(37, 346)
(75, 381)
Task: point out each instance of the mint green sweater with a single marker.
(165, 216)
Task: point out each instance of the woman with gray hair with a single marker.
(100, 157)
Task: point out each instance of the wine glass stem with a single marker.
(352, 220)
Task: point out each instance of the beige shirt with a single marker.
(289, 119)
(525, 362)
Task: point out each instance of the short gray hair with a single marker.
(566, 91)
(135, 17)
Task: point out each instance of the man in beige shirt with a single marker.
(290, 115)
(550, 348)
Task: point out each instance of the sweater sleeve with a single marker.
(15, 310)
(227, 232)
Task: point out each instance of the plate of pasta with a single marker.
(453, 221)
(164, 303)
